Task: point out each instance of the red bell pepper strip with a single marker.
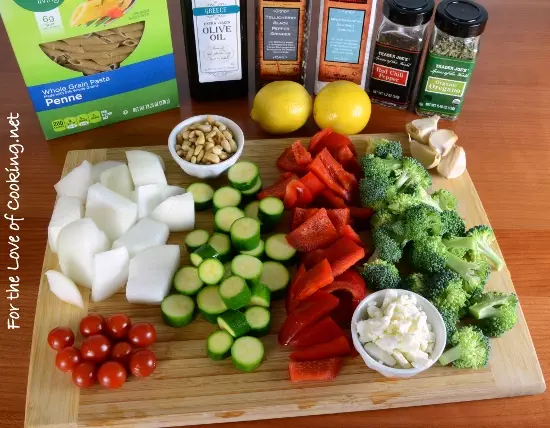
(287, 162)
(305, 314)
(316, 139)
(278, 189)
(335, 142)
(361, 213)
(328, 179)
(314, 185)
(326, 369)
(322, 331)
(313, 280)
(344, 156)
(343, 254)
(317, 232)
(298, 217)
(340, 218)
(302, 156)
(338, 347)
(290, 303)
(329, 199)
(351, 234)
(343, 313)
(313, 258)
(337, 171)
(296, 195)
(351, 282)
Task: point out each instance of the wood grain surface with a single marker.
(504, 128)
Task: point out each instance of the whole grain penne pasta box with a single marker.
(89, 63)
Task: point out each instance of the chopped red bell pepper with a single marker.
(298, 217)
(354, 167)
(329, 199)
(287, 162)
(313, 258)
(351, 234)
(297, 195)
(344, 155)
(337, 171)
(290, 303)
(302, 156)
(333, 142)
(361, 213)
(313, 280)
(326, 369)
(314, 185)
(305, 314)
(278, 189)
(338, 347)
(340, 218)
(317, 232)
(343, 313)
(343, 254)
(328, 179)
(351, 282)
(322, 331)
(316, 139)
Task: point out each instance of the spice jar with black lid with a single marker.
(452, 55)
(399, 44)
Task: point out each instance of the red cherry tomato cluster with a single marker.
(111, 348)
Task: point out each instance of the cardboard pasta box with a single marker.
(89, 63)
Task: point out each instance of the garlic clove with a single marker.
(443, 141)
(454, 164)
(426, 155)
(420, 129)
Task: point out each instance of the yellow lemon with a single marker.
(281, 107)
(343, 106)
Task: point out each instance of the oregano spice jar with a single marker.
(453, 51)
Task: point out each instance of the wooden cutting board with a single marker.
(188, 388)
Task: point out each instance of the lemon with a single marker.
(343, 106)
(281, 107)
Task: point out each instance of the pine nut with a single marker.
(189, 155)
(194, 159)
(197, 150)
(179, 153)
(220, 126)
(205, 128)
(211, 157)
(209, 146)
(200, 156)
(233, 145)
(226, 146)
(217, 150)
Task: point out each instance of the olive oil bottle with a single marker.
(215, 41)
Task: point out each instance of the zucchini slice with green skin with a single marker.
(257, 252)
(277, 248)
(259, 320)
(247, 267)
(222, 244)
(245, 234)
(261, 295)
(276, 276)
(195, 239)
(254, 190)
(218, 345)
(211, 271)
(210, 303)
(234, 322)
(177, 310)
(202, 195)
(251, 210)
(234, 292)
(227, 270)
(226, 197)
(225, 217)
(202, 253)
(270, 212)
(243, 175)
(247, 353)
(187, 281)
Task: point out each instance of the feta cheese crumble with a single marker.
(397, 334)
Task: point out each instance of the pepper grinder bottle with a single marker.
(399, 44)
(452, 55)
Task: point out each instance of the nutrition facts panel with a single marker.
(49, 22)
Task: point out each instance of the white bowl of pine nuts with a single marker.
(205, 146)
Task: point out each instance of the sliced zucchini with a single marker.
(227, 270)
(249, 195)
(226, 197)
(243, 175)
(251, 210)
(218, 345)
(247, 353)
(278, 249)
(211, 271)
(276, 276)
(270, 212)
(247, 267)
(257, 252)
(177, 310)
(259, 320)
(202, 195)
(261, 295)
(195, 239)
(210, 303)
(234, 292)
(245, 234)
(202, 253)
(187, 281)
(234, 322)
(222, 244)
(225, 217)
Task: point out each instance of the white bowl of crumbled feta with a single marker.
(398, 333)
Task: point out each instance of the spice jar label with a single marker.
(393, 73)
(444, 85)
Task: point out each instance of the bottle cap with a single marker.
(409, 13)
(461, 18)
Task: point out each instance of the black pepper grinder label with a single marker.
(393, 73)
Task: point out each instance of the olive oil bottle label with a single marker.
(281, 39)
(217, 26)
(345, 34)
(444, 84)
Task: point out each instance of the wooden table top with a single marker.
(505, 128)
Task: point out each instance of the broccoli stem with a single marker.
(450, 355)
(403, 178)
(493, 258)
(463, 242)
(486, 309)
(459, 266)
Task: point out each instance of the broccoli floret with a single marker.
(420, 221)
(388, 244)
(386, 149)
(444, 289)
(414, 282)
(374, 191)
(373, 166)
(452, 224)
(470, 349)
(424, 197)
(412, 174)
(496, 312)
(450, 318)
(445, 199)
(381, 275)
(381, 217)
(399, 203)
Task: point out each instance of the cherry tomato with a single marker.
(121, 352)
(67, 359)
(118, 326)
(95, 348)
(84, 375)
(143, 362)
(111, 375)
(60, 337)
(142, 335)
(92, 324)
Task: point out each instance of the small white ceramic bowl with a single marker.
(434, 318)
(207, 171)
